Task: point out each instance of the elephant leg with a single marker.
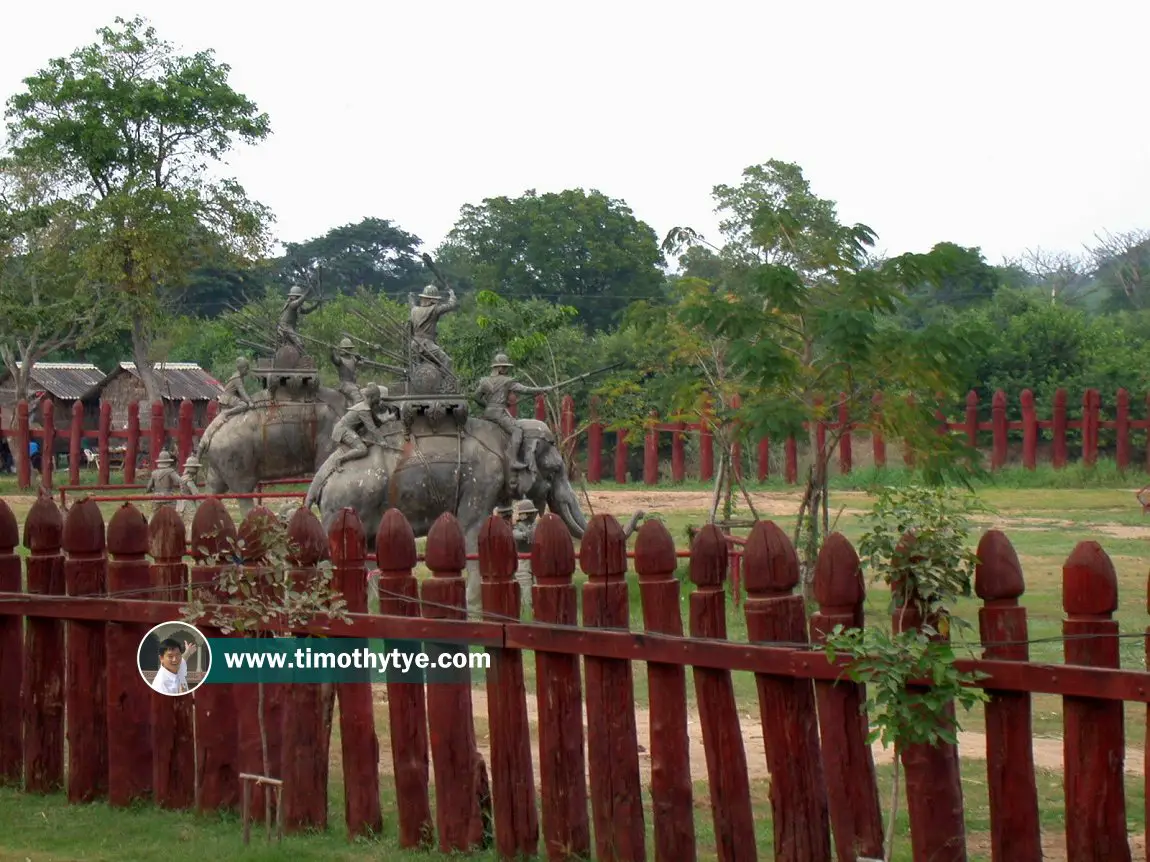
(474, 582)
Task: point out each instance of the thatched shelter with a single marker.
(179, 380)
(64, 382)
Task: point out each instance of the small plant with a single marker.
(918, 544)
(262, 598)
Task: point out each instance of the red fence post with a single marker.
(567, 428)
(23, 441)
(513, 405)
(1122, 429)
(612, 739)
(1094, 730)
(877, 442)
(47, 442)
(562, 773)
(359, 743)
(706, 444)
(791, 469)
(512, 778)
(541, 407)
(103, 443)
(715, 695)
(848, 763)
(129, 702)
(736, 446)
(1029, 431)
(595, 445)
(621, 456)
(132, 446)
(11, 655)
(1014, 825)
(1059, 429)
(651, 452)
(173, 740)
(972, 419)
(671, 793)
(157, 433)
(75, 443)
(678, 453)
(213, 538)
(306, 734)
(786, 704)
(1090, 404)
(998, 422)
(43, 648)
(846, 455)
(459, 770)
(406, 706)
(764, 459)
(85, 706)
(907, 451)
(185, 431)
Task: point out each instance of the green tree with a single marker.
(130, 129)
(574, 247)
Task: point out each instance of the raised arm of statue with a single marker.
(520, 389)
(448, 305)
(481, 393)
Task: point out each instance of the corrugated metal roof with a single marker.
(64, 380)
(180, 380)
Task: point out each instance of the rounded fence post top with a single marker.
(347, 541)
(446, 549)
(44, 526)
(252, 533)
(84, 529)
(709, 557)
(213, 531)
(498, 556)
(1027, 398)
(998, 574)
(655, 550)
(603, 548)
(1089, 581)
(9, 529)
(166, 537)
(552, 552)
(972, 398)
(838, 574)
(307, 542)
(770, 562)
(128, 531)
(77, 408)
(395, 543)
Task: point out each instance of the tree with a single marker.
(129, 130)
(952, 277)
(803, 322)
(46, 303)
(1122, 269)
(579, 248)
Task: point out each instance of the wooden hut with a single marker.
(178, 380)
(64, 382)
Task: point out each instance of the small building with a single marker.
(64, 382)
(178, 381)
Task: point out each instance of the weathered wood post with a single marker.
(972, 419)
(786, 704)
(75, 443)
(129, 700)
(848, 764)
(214, 536)
(998, 429)
(718, 712)
(406, 705)
(512, 778)
(612, 741)
(306, 735)
(48, 442)
(1029, 431)
(562, 773)
(678, 453)
(23, 441)
(359, 743)
(671, 793)
(595, 445)
(460, 774)
(1094, 729)
(541, 407)
(651, 451)
(86, 706)
(1014, 829)
(11, 656)
(1122, 429)
(1059, 429)
(43, 649)
(791, 461)
(1090, 404)
(103, 442)
(132, 444)
(173, 742)
(185, 431)
(621, 456)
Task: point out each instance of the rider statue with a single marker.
(352, 434)
(493, 393)
(233, 401)
(425, 321)
(347, 365)
(294, 307)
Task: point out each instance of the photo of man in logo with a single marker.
(164, 658)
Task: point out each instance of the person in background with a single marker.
(34, 455)
(524, 532)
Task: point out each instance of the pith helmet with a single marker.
(296, 290)
(370, 392)
(346, 344)
(165, 458)
(527, 508)
(191, 463)
(501, 361)
(242, 363)
(504, 511)
(430, 292)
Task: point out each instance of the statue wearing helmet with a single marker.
(233, 401)
(352, 434)
(493, 393)
(425, 314)
(164, 480)
(346, 362)
(294, 307)
(524, 533)
(188, 487)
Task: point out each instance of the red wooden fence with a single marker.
(822, 771)
(591, 438)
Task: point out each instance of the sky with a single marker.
(1003, 125)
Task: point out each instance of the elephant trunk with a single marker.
(565, 504)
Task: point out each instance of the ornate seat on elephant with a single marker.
(290, 373)
(433, 392)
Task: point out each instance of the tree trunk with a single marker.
(141, 347)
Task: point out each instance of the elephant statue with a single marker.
(271, 440)
(464, 472)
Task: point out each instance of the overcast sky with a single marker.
(1006, 125)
